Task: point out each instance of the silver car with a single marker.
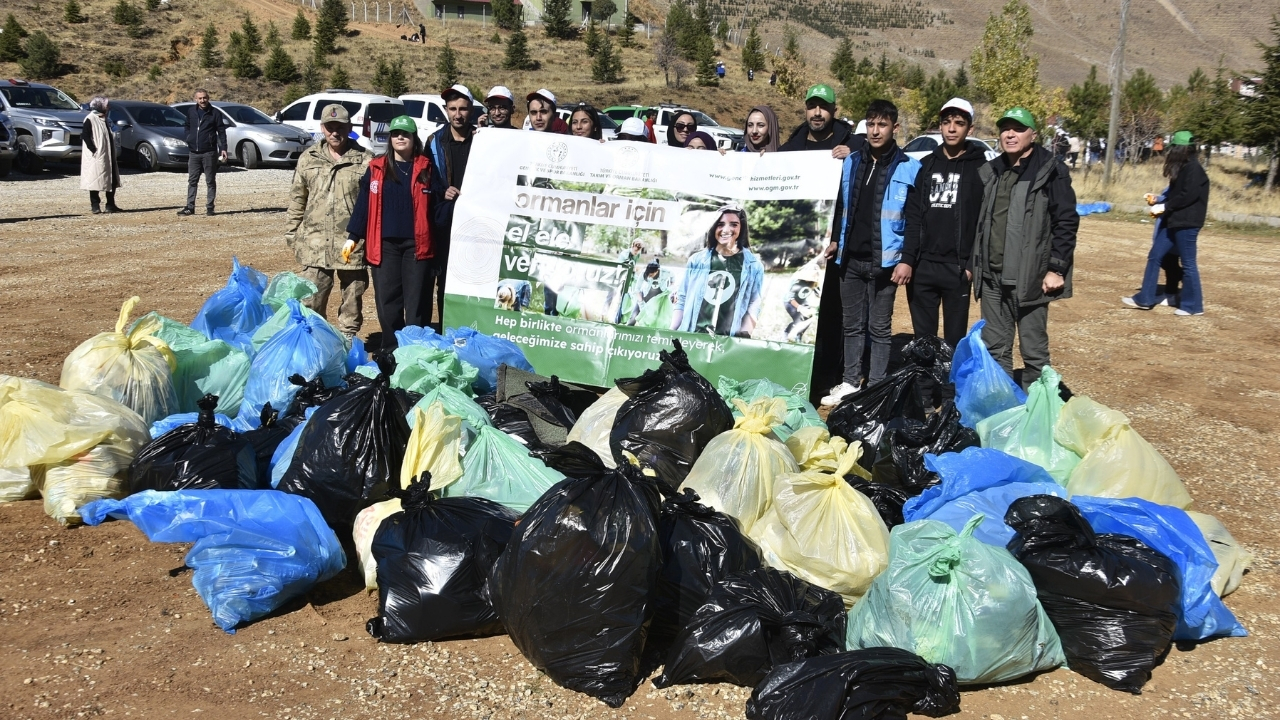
(254, 139)
(149, 134)
(8, 144)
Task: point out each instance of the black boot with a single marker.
(94, 203)
(111, 203)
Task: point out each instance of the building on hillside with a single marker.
(579, 11)
(464, 10)
(1245, 86)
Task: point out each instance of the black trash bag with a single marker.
(887, 499)
(512, 421)
(700, 547)
(751, 622)
(350, 451)
(576, 585)
(899, 458)
(202, 455)
(311, 393)
(1112, 599)
(550, 406)
(271, 431)
(881, 683)
(672, 413)
(434, 559)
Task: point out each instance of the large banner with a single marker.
(592, 256)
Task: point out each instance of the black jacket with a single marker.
(1188, 198)
(840, 135)
(206, 132)
(942, 212)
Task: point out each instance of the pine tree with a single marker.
(791, 50)
(592, 38)
(280, 67)
(683, 29)
(495, 38)
(842, 63)
(607, 68)
(330, 24)
(1087, 108)
(722, 31)
(339, 78)
(753, 51)
(41, 57)
(312, 80)
(447, 71)
(11, 40)
(555, 19)
(153, 5)
(627, 32)
(252, 38)
(334, 12)
(1262, 113)
(240, 57)
(706, 59)
(72, 14)
(602, 10)
(506, 15)
(301, 27)
(962, 78)
(389, 78)
(517, 54)
(209, 55)
(858, 93)
(273, 35)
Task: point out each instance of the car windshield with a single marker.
(703, 120)
(381, 112)
(245, 115)
(413, 108)
(607, 122)
(921, 144)
(39, 98)
(159, 116)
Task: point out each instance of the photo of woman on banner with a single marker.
(722, 284)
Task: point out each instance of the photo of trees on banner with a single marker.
(614, 249)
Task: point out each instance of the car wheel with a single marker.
(147, 158)
(28, 161)
(251, 156)
(5, 166)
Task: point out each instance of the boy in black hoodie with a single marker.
(942, 216)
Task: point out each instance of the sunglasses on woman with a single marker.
(686, 127)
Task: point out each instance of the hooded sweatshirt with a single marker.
(771, 122)
(942, 213)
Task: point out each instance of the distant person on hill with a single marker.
(1183, 213)
(1025, 247)
(498, 105)
(449, 148)
(821, 130)
(206, 147)
(325, 185)
(99, 168)
(541, 105)
(761, 131)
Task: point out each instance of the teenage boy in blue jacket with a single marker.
(866, 245)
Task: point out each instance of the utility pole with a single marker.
(1117, 75)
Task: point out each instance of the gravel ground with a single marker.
(98, 621)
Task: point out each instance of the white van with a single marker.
(370, 115)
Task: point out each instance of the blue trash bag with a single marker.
(283, 454)
(983, 388)
(1170, 530)
(358, 357)
(234, 312)
(305, 347)
(979, 481)
(254, 549)
(165, 424)
(1092, 208)
(417, 335)
(485, 353)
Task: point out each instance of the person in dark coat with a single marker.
(449, 149)
(206, 147)
(820, 129)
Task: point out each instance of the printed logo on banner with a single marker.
(478, 242)
(557, 152)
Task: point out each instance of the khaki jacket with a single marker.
(320, 202)
(99, 170)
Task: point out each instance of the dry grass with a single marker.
(1227, 180)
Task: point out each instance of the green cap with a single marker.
(822, 92)
(1182, 137)
(405, 123)
(1019, 115)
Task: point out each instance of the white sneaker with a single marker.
(1164, 300)
(1130, 302)
(1180, 311)
(839, 393)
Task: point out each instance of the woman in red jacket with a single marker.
(390, 216)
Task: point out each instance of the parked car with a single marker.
(149, 135)
(727, 138)
(427, 112)
(8, 144)
(255, 139)
(370, 115)
(46, 122)
(619, 113)
(926, 144)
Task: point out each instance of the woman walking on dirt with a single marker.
(99, 169)
(1182, 213)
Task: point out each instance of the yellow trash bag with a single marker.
(736, 470)
(100, 472)
(822, 530)
(19, 483)
(1232, 559)
(133, 367)
(596, 422)
(434, 447)
(1116, 462)
(366, 526)
(814, 449)
(36, 424)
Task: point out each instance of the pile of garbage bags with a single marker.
(865, 566)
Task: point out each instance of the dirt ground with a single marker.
(98, 621)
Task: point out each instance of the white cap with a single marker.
(634, 126)
(455, 91)
(960, 104)
(543, 93)
(500, 91)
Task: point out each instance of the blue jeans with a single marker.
(1184, 240)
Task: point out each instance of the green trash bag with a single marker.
(955, 600)
(498, 468)
(1026, 431)
(204, 366)
(458, 404)
(287, 286)
(800, 412)
(656, 312)
(420, 368)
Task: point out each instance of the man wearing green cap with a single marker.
(1025, 245)
(325, 185)
(391, 218)
(820, 129)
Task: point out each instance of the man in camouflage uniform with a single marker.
(324, 191)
